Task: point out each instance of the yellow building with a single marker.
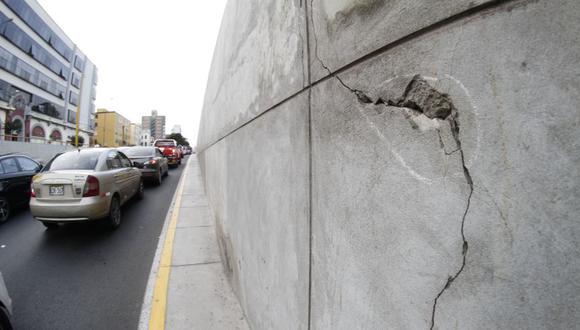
(112, 129)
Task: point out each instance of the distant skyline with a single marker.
(149, 54)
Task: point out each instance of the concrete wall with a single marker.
(38, 151)
(423, 175)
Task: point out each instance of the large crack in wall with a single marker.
(419, 96)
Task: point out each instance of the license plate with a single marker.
(56, 190)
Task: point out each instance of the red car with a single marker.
(170, 150)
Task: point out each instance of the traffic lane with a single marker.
(84, 275)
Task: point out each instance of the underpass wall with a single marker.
(408, 164)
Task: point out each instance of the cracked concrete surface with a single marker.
(441, 156)
(424, 99)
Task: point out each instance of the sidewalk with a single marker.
(187, 287)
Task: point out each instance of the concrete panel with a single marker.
(259, 60)
(263, 231)
(345, 30)
(468, 221)
(213, 305)
(195, 217)
(201, 246)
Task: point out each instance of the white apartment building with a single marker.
(45, 80)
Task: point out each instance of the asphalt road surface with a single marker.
(83, 276)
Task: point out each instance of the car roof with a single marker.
(12, 154)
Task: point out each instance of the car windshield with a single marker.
(139, 151)
(165, 144)
(75, 160)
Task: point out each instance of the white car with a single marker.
(84, 185)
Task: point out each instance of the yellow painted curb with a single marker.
(159, 303)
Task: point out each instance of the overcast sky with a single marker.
(150, 54)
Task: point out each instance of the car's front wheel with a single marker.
(4, 319)
(114, 219)
(4, 209)
(159, 177)
(140, 190)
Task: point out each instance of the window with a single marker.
(125, 161)
(75, 160)
(138, 151)
(75, 80)
(113, 160)
(79, 64)
(27, 14)
(73, 98)
(9, 165)
(72, 117)
(27, 164)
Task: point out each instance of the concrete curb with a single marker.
(148, 297)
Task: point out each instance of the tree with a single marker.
(71, 140)
(181, 140)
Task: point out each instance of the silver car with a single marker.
(84, 185)
(5, 306)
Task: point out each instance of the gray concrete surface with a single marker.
(37, 151)
(199, 295)
(439, 173)
(262, 62)
(344, 30)
(263, 226)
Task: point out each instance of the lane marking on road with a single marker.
(153, 310)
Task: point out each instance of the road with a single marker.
(83, 276)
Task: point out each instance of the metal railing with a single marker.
(31, 139)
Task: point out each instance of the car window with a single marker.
(27, 164)
(74, 160)
(9, 165)
(1, 169)
(125, 161)
(113, 160)
(158, 153)
(165, 143)
(135, 152)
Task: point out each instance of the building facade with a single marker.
(112, 129)
(45, 80)
(155, 124)
(135, 134)
(146, 138)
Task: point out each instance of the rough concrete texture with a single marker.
(199, 296)
(259, 61)
(213, 306)
(443, 171)
(262, 214)
(395, 223)
(345, 30)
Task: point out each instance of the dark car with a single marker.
(16, 172)
(153, 165)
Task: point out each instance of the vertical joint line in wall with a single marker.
(308, 72)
